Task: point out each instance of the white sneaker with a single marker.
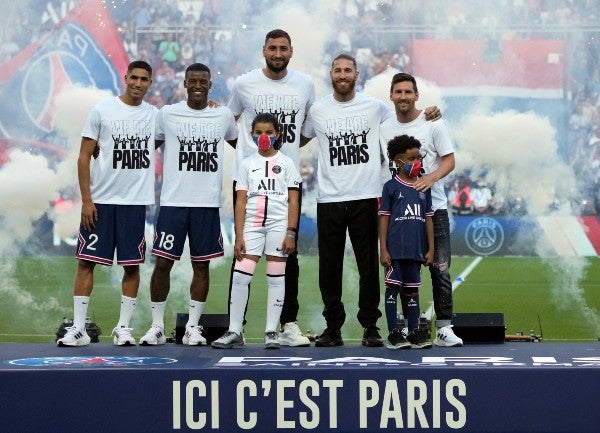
(271, 340)
(154, 337)
(445, 337)
(229, 340)
(292, 336)
(193, 336)
(74, 337)
(123, 336)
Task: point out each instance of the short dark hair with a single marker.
(139, 64)
(272, 119)
(278, 33)
(347, 57)
(403, 76)
(400, 144)
(197, 67)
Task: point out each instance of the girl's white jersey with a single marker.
(349, 162)
(267, 181)
(194, 152)
(123, 173)
(288, 99)
(435, 143)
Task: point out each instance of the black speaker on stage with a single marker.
(479, 327)
(214, 326)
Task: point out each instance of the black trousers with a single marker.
(360, 218)
(289, 312)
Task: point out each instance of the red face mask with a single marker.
(264, 141)
(412, 170)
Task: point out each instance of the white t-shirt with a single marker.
(193, 153)
(481, 197)
(349, 162)
(435, 143)
(267, 181)
(123, 173)
(288, 99)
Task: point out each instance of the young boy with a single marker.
(405, 241)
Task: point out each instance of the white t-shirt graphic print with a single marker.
(193, 151)
(123, 173)
(288, 99)
(349, 158)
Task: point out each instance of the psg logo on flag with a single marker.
(84, 49)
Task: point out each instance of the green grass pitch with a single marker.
(561, 294)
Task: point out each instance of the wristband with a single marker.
(290, 236)
(293, 229)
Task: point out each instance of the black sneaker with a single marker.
(371, 337)
(398, 340)
(419, 339)
(329, 338)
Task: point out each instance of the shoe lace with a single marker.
(272, 335)
(227, 335)
(122, 330)
(196, 330)
(71, 330)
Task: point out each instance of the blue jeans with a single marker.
(440, 270)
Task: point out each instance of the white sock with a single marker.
(80, 308)
(276, 293)
(127, 307)
(158, 313)
(195, 312)
(239, 300)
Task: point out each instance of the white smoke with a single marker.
(517, 154)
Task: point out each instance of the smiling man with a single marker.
(114, 193)
(347, 126)
(438, 163)
(194, 137)
(287, 94)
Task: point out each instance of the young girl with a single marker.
(405, 241)
(266, 205)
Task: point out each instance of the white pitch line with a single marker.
(457, 282)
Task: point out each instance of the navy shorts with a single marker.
(202, 225)
(404, 273)
(119, 227)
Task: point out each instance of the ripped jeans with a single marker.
(440, 270)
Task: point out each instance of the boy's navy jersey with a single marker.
(407, 209)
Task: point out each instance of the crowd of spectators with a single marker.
(170, 34)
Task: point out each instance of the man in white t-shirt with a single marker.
(194, 137)
(347, 126)
(438, 162)
(287, 94)
(115, 190)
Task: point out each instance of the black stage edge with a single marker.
(509, 387)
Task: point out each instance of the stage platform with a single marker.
(506, 387)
